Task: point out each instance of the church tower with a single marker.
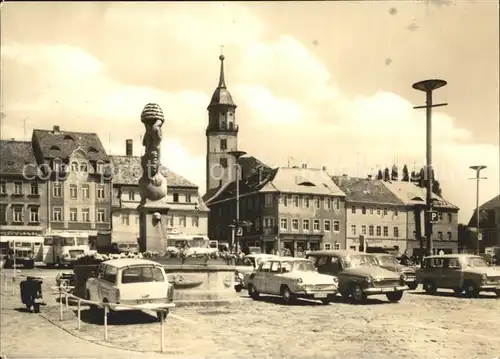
(222, 135)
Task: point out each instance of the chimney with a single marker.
(304, 165)
(345, 175)
(56, 129)
(129, 147)
(260, 172)
(324, 168)
(369, 178)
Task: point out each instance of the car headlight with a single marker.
(335, 280)
(241, 276)
(402, 277)
(369, 280)
(298, 280)
(484, 278)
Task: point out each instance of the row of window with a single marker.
(79, 216)
(379, 211)
(187, 197)
(440, 235)
(73, 191)
(18, 188)
(18, 214)
(182, 220)
(328, 246)
(294, 225)
(309, 202)
(378, 231)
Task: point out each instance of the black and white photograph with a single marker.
(268, 179)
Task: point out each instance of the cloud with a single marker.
(289, 104)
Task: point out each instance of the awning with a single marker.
(30, 239)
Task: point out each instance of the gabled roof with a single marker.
(411, 194)
(282, 180)
(127, 170)
(250, 165)
(15, 156)
(491, 204)
(362, 190)
(61, 144)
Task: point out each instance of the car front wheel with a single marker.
(357, 294)
(430, 287)
(252, 291)
(394, 297)
(287, 295)
(471, 290)
(413, 286)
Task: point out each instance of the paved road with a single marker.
(440, 326)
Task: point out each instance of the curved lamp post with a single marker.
(236, 226)
(478, 169)
(428, 86)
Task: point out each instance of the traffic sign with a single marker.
(433, 216)
(239, 231)
(479, 236)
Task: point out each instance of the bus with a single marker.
(62, 249)
(34, 244)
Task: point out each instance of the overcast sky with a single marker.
(326, 83)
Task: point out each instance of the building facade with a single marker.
(187, 213)
(489, 223)
(76, 168)
(282, 210)
(444, 232)
(23, 195)
(222, 136)
(373, 213)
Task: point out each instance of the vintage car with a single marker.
(247, 266)
(129, 282)
(128, 247)
(390, 262)
(359, 275)
(461, 272)
(291, 278)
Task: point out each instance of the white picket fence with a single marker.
(65, 296)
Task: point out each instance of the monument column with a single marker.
(153, 207)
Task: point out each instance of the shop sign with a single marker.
(20, 233)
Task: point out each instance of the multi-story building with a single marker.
(79, 180)
(444, 232)
(489, 223)
(187, 214)
(23, 194)
(374, 212)
(283, 208)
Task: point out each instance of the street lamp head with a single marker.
(237, 154)
(429, 85)
(477, 167)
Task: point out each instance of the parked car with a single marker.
(390, 262)
(128, 247)
(359, 275)
(246, 267)
(461, 272)
(291, 278)
(139, 282)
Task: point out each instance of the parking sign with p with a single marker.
(433, 216)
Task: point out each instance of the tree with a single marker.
(436, 188)
(465, 238)
(406, 176)
(387, 176)
(380, 175)
(394, 173)
(421, 177)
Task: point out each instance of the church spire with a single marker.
(222, 81)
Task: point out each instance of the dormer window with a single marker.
(74, 167)
(92, 150)
(54, 148)
(69, 137)
(99, 167)
(83, 167)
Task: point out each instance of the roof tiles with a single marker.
(14, 156)
(362, 190)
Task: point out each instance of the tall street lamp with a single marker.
(236, 227)
(428, 86)
(478, 169)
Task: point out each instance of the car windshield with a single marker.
(142, 275)
(298, 266)
(68, 241)
(387, 260)
(476, 262)
(359, 260)
(82, 241)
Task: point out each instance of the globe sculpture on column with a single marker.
(152, 184)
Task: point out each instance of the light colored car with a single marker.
(460, 272)
(139, 282)
(247, 266)
(291, 278)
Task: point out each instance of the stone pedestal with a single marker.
(152, 235)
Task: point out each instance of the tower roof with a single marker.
(221, 95)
